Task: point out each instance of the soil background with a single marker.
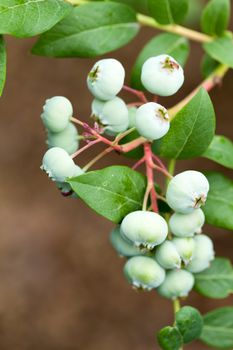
(61, 283)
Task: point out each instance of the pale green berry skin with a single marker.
(177, 284)
(123, 247)
(159, 79)
(106, 79)
(144, 229)
(185, 247)
(132, 116)
(187, 191)
(66, 139)
(152, 121)
(64, 187)
(144, 272)
(58, 164)
(203, 254)
(57, 112)
(186, 225)
(167, 256)
(112, 115)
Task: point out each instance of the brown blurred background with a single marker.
(61, 283)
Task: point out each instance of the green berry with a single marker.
(66, 139)
(177, 284)
(123, 247)
(185, 247)
(186, 225)
(167, 255)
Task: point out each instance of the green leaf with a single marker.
(221, 50)
(216, 281)
(2, 64)
(191, 130)
(112, 192)
(139, 5)
(171, 44)
(169, 338)
(208, 65)
(220, 151)
(90, 30)
(168, 11)
(218, 328)
(189, 322)
(219, 206)
(215, 17)
(31, 17)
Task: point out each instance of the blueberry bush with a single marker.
(158, 227)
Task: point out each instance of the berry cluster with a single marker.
(161, 253)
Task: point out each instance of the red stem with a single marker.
(137, 93)
(138, 163)
(90, 144)
(150, 177)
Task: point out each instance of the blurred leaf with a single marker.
(171, 44)
(112, 192)
(139, 5)
(189, 322)
(221, 50)
(2, 64)
(208, 65)
(168, 11)
(216, 281)
(215, 17)
(90, 30)
(31, 17)
(169, 338)
(220, 151)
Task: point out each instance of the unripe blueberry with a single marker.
(177, 283)
(132, 116)
(185, 247)
(167, 255)
(186, 225)
(187, 191)
(203, 254)
(106, 79)
(152, 121)
(66, 139)
(65, 187)
(162, 75)
(58, 164)
(57, 112)
(144, 272)
(123, 247)
(144, 229)
(112, 115)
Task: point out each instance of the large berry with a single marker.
(66, 139)
(187, 191)
(185, 247)
(167, 255)
(106, 79)
(57, 112)
(186, 225)
(152, 121)
(59, 165)
(144, 229)
(144, 272)
(177, 283)
(123, 247)
(203, 254)
(111, 115)
(162, 75)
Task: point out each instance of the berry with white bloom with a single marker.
(162, 75)
(177, 284)
(186, 225)
(106, 79)
(144, 229)
(152, 121)
(123, 247)
(144, 272)
(203, 254)
(57, 112)
(66, 139)
(185, 247)
(187, 191)
(167, 255)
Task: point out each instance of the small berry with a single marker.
(123, 247)
(187, 191)
(177, 284)
(106, 79)
(144, 272)
(57, 112)
(58, 164)
(132, 117)
(203, 254)
(162, 75)
(66, 139)
(144, 229)
(186, 225)
(111, 115)
(167, 256)
(152, 121)
(185, 247)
